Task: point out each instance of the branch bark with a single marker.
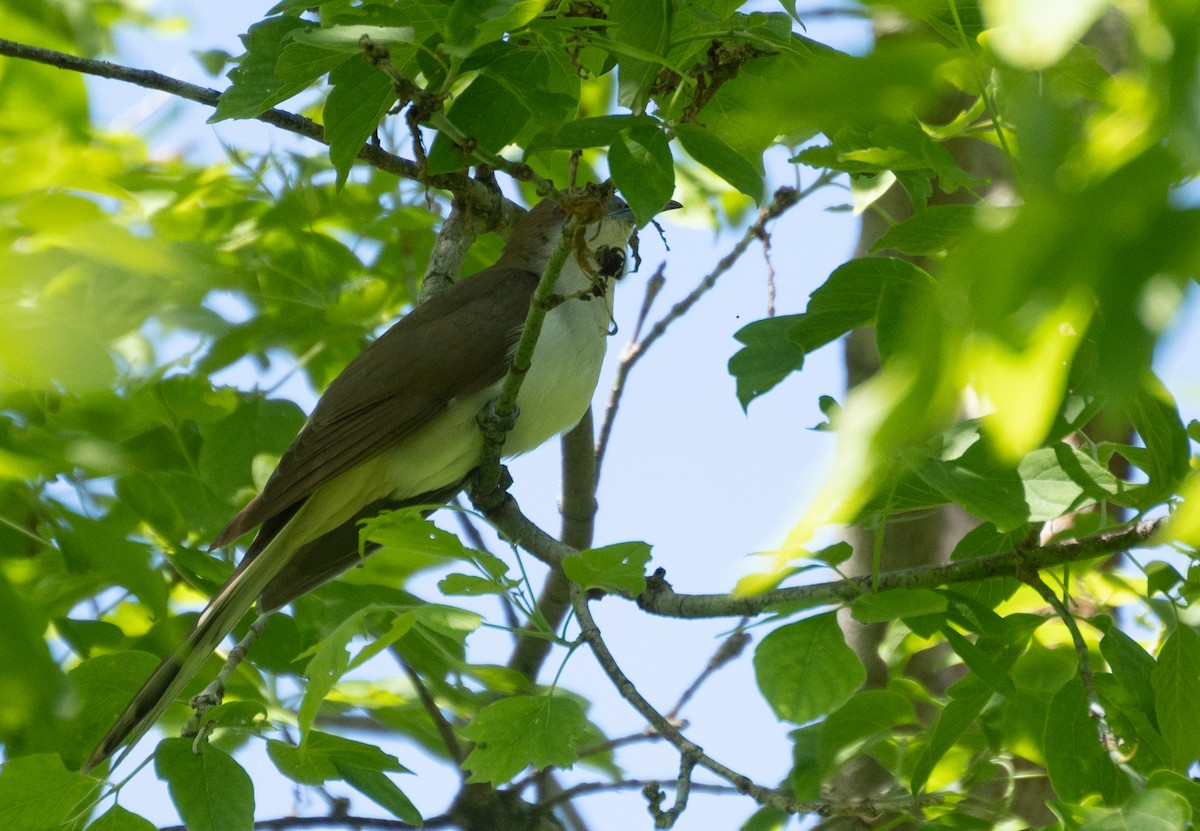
(478, 193)
(660, 599)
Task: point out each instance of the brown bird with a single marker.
(398, 427)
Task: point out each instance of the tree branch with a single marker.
(444, 729)
(338, 821)
(479, 194)
(586, 788)
(521, 530)
(579, 514)
(691, 753)
(660, 599)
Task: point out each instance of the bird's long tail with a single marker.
(227, 607)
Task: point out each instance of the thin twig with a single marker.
(579, 514)
(587, 788)
(471, 531)
(444, 728)
(646, 735)
(683, 789)
(660, 599)
(339, 821)
(653, 286)
(729, 649)
(214, 693)
(766, 252)
(520, 530)
(743, 784)
(784, 199)
(1096, 710)
(547, 787)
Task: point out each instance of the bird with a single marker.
(397, 427)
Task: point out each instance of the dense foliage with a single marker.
(1049, 235)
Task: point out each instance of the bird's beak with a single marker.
(618, 209)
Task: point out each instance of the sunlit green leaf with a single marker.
(117, 818)
(643, 170)
(513, 733)
(254, 85)
(619, 568)
(647, 27)
(360, 98)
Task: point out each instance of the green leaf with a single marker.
(978, 483)
(1176, 681)
(85, 636)
(513, 733)
(360, 98)
(1061, 479)
(598, 131)
(931, 231)
(488, 113)
(1131, 665)
(1149, 810)
(850, 299)
(347, 39)
(470, 585)
(1153, 413)
(1169, 780)
(474, 23)
(711, 151)
(382, 791)
(835, 554)
(416, 536)
(767, 819)
(1076, 763)
(879, 607)
(1161, 577)
(117, 818)
(619, 568)
(869, 716)
(255, 86)
(240, 714)
(644, 25)
(104, 686)
(211, 791)
(330, 659)
(978, 661)
(38, 794)
(301, 63)
(805, 670)
(31, 681)
(967, 703)
(321, 757)
(643, 170)
(768, 357)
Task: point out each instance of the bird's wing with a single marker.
(453, 345)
